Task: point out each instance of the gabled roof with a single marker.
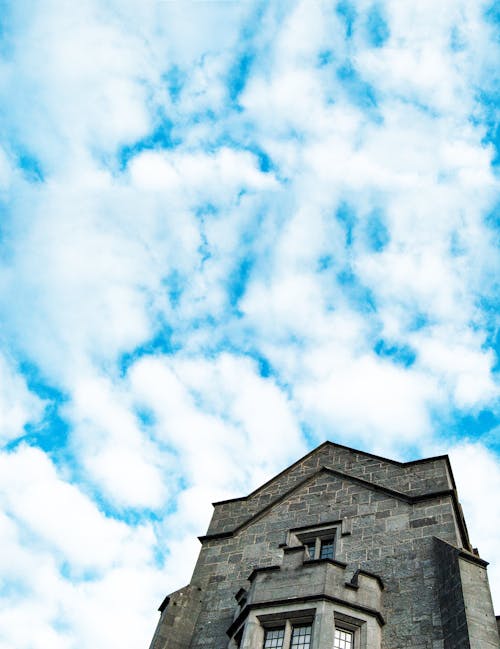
(397, 495)
(327, 444)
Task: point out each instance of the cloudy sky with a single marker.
(230, 231)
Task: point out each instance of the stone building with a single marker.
(342, 550)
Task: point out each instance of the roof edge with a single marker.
(325, 444)
(398, 495)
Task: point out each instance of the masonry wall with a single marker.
(389, 537)
(451, 599)
(178, 619)
(481, 622)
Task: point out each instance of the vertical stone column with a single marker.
(481, 622)
(324, 627)
(253, 635)
(467, 614)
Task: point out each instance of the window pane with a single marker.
(301, 636)
(327, 549)
(310, 545)
(274, 638)
(343, 639)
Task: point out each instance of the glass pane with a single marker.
(327, 549)
(274, 638)
(310, 545)
(301, 636)
(343, 639)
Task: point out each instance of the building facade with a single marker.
(342, 550)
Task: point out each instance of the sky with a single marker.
(230, 231)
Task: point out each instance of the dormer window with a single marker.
(319, 548)
(311, 548)
(320, 544)
(327, 548)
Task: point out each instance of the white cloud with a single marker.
(391, 403)
(68, 562)
(212, 412)
(18, 406)
(466, 367)
(62, 517)
(110, 445)
(199, 175)
(7, 171)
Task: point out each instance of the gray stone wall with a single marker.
(481, 622)
(465, 600)
(178, 619)
(451, 601)
(390, 537)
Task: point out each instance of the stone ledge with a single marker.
(306, 599)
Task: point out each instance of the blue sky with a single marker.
(230, 231)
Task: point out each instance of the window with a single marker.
(320, 541)
(311, 548)
(274, 638)
(289, 636)
(327, 548)
(301, 636)
(320, 547)
(343, 639)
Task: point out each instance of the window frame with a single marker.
(326, 542)
(318, 536)
(344, 630)
(288, 625)
(323, 618)
(353, 625)
(270, 629)
(301, 625)
(287, 621)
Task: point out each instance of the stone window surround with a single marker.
(318, 538)
(325, 617)
(287, 623)
(355, 626)
(318, 533)
(252, 633)
(343, 639)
